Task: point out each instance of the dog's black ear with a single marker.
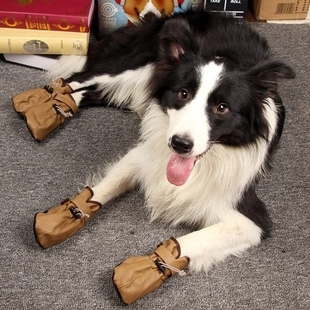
(175, 39)
(272, 72)
(267, 75)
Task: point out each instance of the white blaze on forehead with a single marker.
(150, 8)
(192, 121)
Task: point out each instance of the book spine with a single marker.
(18, 41)
(44, 22)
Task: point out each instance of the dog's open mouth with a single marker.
(179, 168)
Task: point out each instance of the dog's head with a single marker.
(213, 91)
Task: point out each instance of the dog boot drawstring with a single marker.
(181, 273)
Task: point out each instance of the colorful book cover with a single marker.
(68, 15)
(113, 14)
(235, 8)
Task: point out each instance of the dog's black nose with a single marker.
(181, 145)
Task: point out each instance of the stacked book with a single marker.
(53, 27)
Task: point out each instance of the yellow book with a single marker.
(25, 41)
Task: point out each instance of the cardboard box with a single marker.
(236, 8)
(280, 9)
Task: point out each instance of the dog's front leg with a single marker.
(120, 178)
(213, 244)
(63, 221)
(139, 275)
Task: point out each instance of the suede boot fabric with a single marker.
(44, 109)
(139, 275)
(61, 222)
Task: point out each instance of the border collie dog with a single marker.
(205, 87)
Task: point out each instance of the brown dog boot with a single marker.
(44, 109)
(27, 99)
(62, 222)
(140, 275)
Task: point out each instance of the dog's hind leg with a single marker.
(128, 89)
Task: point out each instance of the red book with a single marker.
(58, 15)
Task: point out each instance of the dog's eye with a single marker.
(183, 94)
(222, 108)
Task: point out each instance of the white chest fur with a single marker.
(215, 184)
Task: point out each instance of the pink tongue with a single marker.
(179, 169)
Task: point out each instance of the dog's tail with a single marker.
(65, 66)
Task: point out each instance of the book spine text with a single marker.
(43, 22)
